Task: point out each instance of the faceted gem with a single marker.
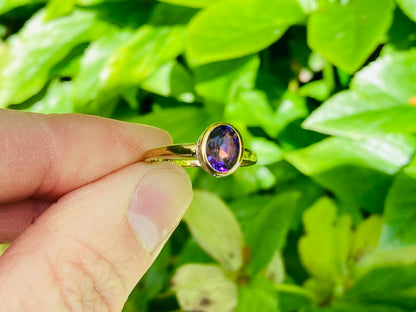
(223, 147)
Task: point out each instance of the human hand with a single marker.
(96, 228)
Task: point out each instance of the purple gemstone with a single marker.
(223, 147)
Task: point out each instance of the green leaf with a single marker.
(259, 295)
(167, 14)
(347, 33)
(245, 208)
(87, 83)
(191, 252)
(291, 108)
(267, 151)
(318, 90)
(325, 248)
(3, 248)
(293, 297)
(171, 79)
(204, 287)
(215, 228)
(37, 48)
(357, 307)
(384, 88)
(219, 82)
(4, 56)
(246, 181)
(192, 3)
(367, 237)
(235, 28)
(57, 100)
(393, 269)
(134, 61)
(253, 109)
(57, 8)
(185, 124)
(69, 66)
(122, 14)
(357, 171)
(275, 270)
(400, 213)
(7, 5)
(322, 290)
(264, 243)
(151, 283)
(309, 6)
(408, 7)
(401, 33)
(294, 137)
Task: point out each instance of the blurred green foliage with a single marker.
(323, 90)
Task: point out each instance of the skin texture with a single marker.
(75, 201)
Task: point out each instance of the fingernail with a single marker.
(158, 204)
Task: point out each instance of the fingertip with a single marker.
(159, 203)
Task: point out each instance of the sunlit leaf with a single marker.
(219, 82)
(379, 102)
(274, 219)
(191, 252)
(171, 79)
(192, 3)
(393, 269)
(346, 33)
(205, 288)
(37, 48)
(356, 171)
(252, 108)
(318, 90)
(293, 297)
(177, 121)
(3, 248)
(235, 28)
(7, 5)
(215, 228)
(57, 8)
(258, 295)
(409, 7)
(400, 210)
(325, 248)
(135, 60)
(366, 237)
(57, 100)
(88, 83)
(275, 270)
(267, 151)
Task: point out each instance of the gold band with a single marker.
(185, 155)
(219, 151)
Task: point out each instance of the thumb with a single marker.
(88, 251)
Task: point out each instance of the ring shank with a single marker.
(185, 155)
(249, 158)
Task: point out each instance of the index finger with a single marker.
(45, 156)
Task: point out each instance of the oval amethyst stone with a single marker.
(223, 148)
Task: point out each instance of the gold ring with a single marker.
(219, 151)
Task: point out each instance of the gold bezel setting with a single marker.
(195, 154)
(201, 151)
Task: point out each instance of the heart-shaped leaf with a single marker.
(234, 28)
(205, 288)
(347, 32)
(216, 229)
